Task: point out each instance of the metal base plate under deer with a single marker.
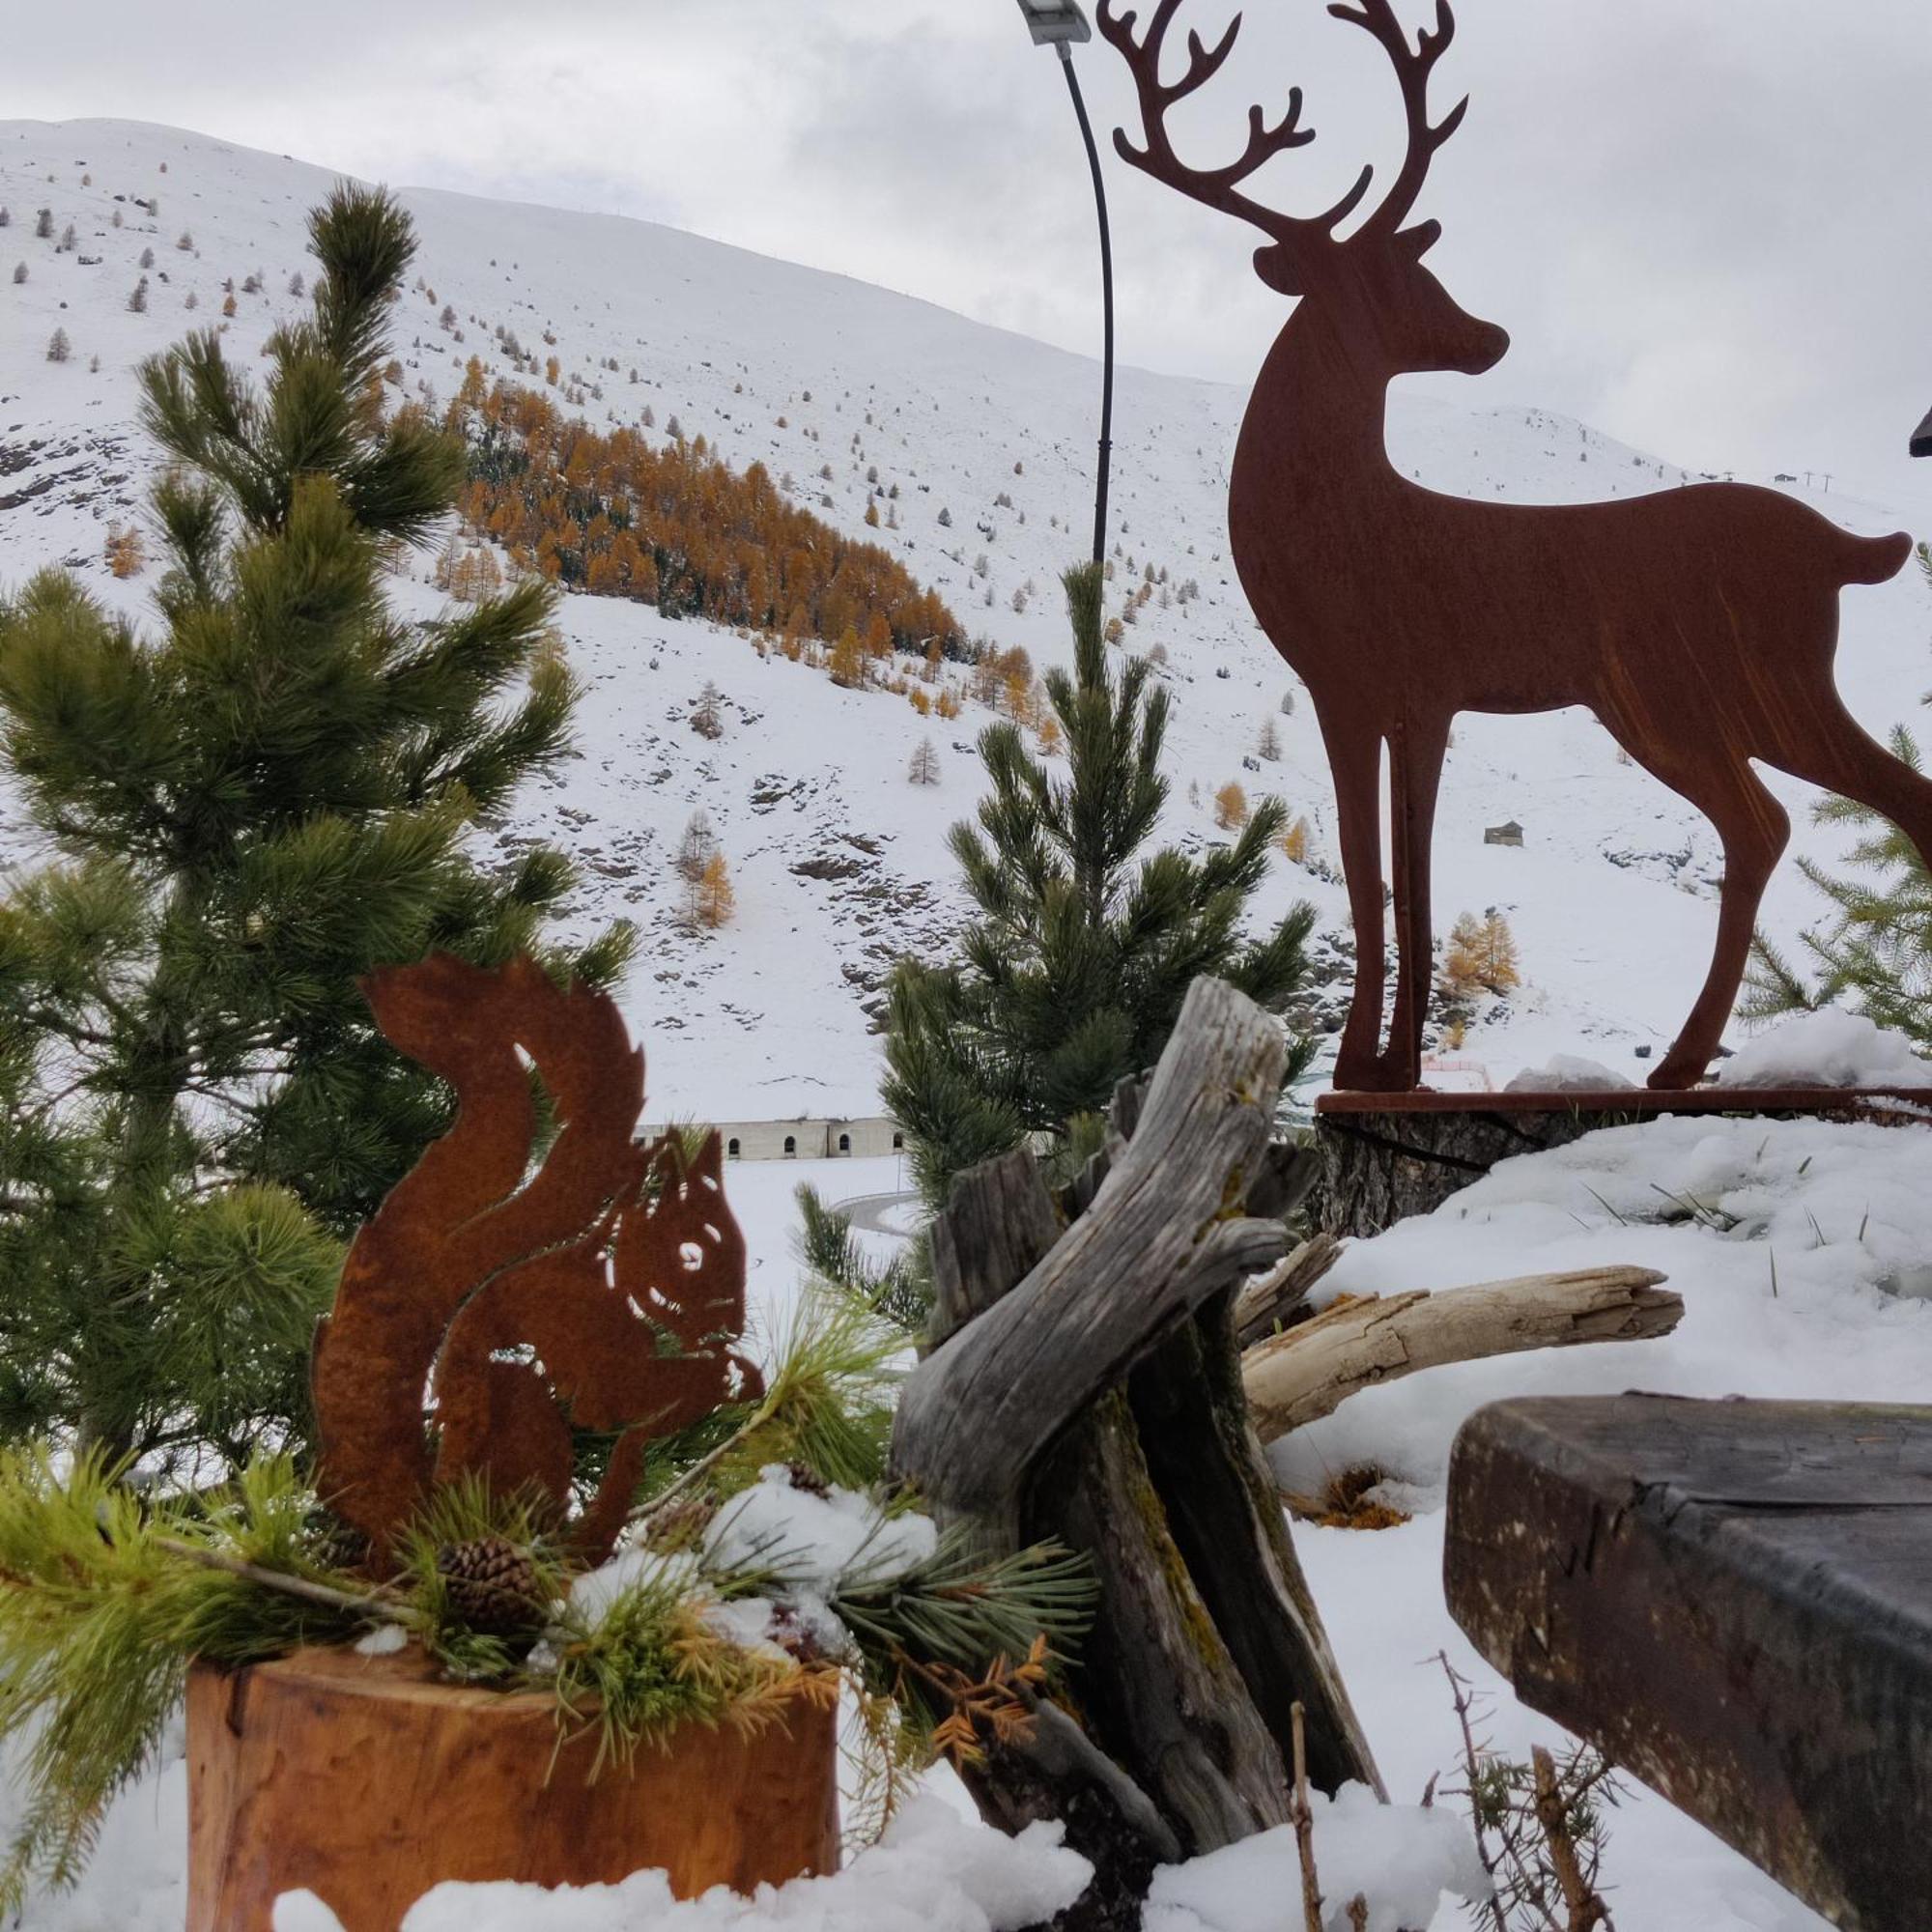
(1700, 624)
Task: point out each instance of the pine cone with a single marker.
(682, 1525)
(808, 1479)
(494, 1586)
(335, 1545)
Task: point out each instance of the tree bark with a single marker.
(1308, 1371)
(1084, 1385)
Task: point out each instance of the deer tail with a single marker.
(1874, 559)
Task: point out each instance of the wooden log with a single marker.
(1733, 1600)
(1226, 1515)
(999, 1225)
(1278, 1299)
(367, 1782)
(1163, 1235)
(1309, 1370)
(1205, 1633)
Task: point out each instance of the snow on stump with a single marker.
(363, 1780)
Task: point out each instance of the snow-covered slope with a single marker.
(837, 862)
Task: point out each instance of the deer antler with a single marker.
(1412, 67)
(1217, 188)
(1220, 187)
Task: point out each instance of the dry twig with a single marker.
(1303, 1820)
(1585, 1908)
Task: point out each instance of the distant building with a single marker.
(808, 1139)
(1510, 833)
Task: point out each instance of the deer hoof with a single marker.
(1676, 1076)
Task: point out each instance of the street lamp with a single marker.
(1060, 25)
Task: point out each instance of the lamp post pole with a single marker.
(1061, 24)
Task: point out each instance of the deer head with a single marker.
(1371, 283)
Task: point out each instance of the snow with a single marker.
(1827, 1050)
(1804, 1252)
(838, 863)
(1800, 1248)
(1566, 1073)
(931, 1873)
(1398, 1859)
(813, 1541)
(1794, 1243)
(805, 1544)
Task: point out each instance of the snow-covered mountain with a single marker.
(837, 862)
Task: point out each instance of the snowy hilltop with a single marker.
(843, 390)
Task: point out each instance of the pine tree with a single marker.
(59, 347)
(696, 847)
(1496, 958)
(924, 767)
(1876, 953)
(267, 795)
(19, 272)
(1085, 944)
(1463, 958)
(714, 899)
(1268, 745)
(43, 225)
(849, 659)
(708, 719)
(1481, 954)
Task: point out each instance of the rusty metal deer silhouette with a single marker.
(1699, 625)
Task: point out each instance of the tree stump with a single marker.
(367, 1782)
(1084, 1385)
(1384, 1157)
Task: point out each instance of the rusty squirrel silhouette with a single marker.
(600, 1292)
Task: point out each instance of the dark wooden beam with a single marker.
(1732, 1600)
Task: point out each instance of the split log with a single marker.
(1279, 1298)
(1085, 1386)
(1297, 1377)
(1163, 1237)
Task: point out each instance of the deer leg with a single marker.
(1754, 828)
(1415, 767)
(1839, 755)
(1356, 758)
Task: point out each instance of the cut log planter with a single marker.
(367, 1782)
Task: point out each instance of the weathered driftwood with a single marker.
(1273, 1301)
(1733, 1600)
(1309, 1370)
(1086, 1386)
(1164, 1234)
(367, 1782)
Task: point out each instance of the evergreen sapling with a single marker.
(268, 793)
(1073, 973)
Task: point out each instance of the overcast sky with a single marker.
(1706, 222)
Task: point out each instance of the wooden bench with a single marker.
(1731, 1600)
